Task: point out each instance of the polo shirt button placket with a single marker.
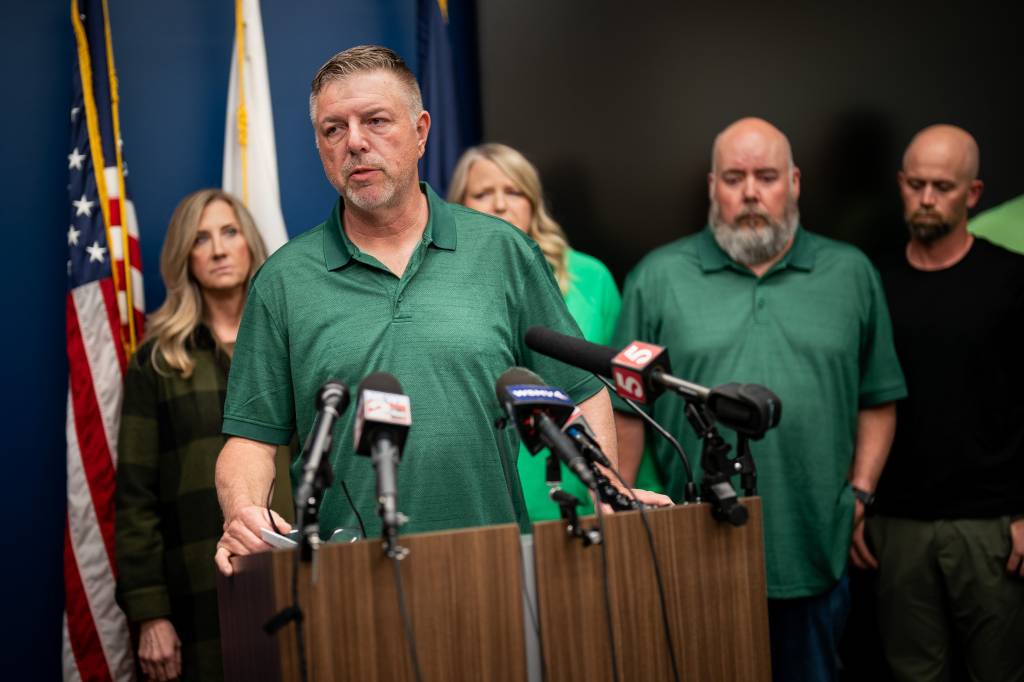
(758, 304)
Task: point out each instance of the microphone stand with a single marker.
(317, 476)
(567, 503)
(718, 469)
(744, 464)
(609, 494)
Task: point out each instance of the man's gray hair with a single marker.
(364, 59)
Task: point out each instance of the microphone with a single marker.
(641, 373)
(539, 412)
(331, 401)
(382, 421)
(577, 428)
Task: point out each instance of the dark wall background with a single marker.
(618, 104)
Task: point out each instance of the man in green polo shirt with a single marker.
(396, 280)
(756, 298)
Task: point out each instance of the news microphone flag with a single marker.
(632, 369)
(250, 154)
(104, 317)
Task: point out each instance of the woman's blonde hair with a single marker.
(543, 228)
(173, 323)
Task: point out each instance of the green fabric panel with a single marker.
(815, 330)
(1002, 225)
(320, 309)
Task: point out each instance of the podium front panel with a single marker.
(463, 592)
(715, 593)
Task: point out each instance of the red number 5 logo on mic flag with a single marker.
(628, 368)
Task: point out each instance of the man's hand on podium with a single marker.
(651, 498)
(242, 535)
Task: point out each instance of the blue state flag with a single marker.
(440, 97)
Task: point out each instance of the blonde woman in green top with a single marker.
(496, 179)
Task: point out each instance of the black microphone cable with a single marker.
(662, 601)
(410, 635)
(690, 490)
(352, 506)
(607, 590)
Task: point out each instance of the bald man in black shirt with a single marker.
(948, 528)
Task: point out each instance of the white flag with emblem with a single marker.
(250, 155)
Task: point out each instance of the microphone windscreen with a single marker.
(380, 381)
(514, 376)
(571, 350)
(333, 393)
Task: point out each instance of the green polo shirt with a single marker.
(814, 329)
(321, 309)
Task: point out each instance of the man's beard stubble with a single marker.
(928, 231)
(754, 245)
(387, 195)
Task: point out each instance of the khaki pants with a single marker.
(945, 581)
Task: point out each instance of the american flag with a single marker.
(104, 321)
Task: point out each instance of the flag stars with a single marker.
(75, 159)
(96, 252)
(73, 235)
(83, 206)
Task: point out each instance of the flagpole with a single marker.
(121, 196)
(242, 114)
(92, 123)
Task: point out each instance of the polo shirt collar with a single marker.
(440, 230)
(712, 258)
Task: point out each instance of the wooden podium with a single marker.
(715, 593)
(464, 590)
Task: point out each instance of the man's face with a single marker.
(936, 193)
(753, 195)
(368, 140)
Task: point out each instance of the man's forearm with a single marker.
(597, 409)
(631, 445)
(876, 427)
(245, 470)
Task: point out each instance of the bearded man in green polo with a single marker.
(755, 297)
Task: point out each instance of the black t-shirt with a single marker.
(959, 332)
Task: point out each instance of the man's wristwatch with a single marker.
(866, 498)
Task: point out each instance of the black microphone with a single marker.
(331, 400)
(577, 428)
(750, 409)
(538, 413)
(641, 372)
(382, 421)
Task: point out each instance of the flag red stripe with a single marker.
(135, 253)
(85, 640)
(92, 438)
(115, 212)
(114, 318)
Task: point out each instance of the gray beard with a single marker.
(753, 246)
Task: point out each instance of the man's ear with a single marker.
(423, 130)
(974, 193)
